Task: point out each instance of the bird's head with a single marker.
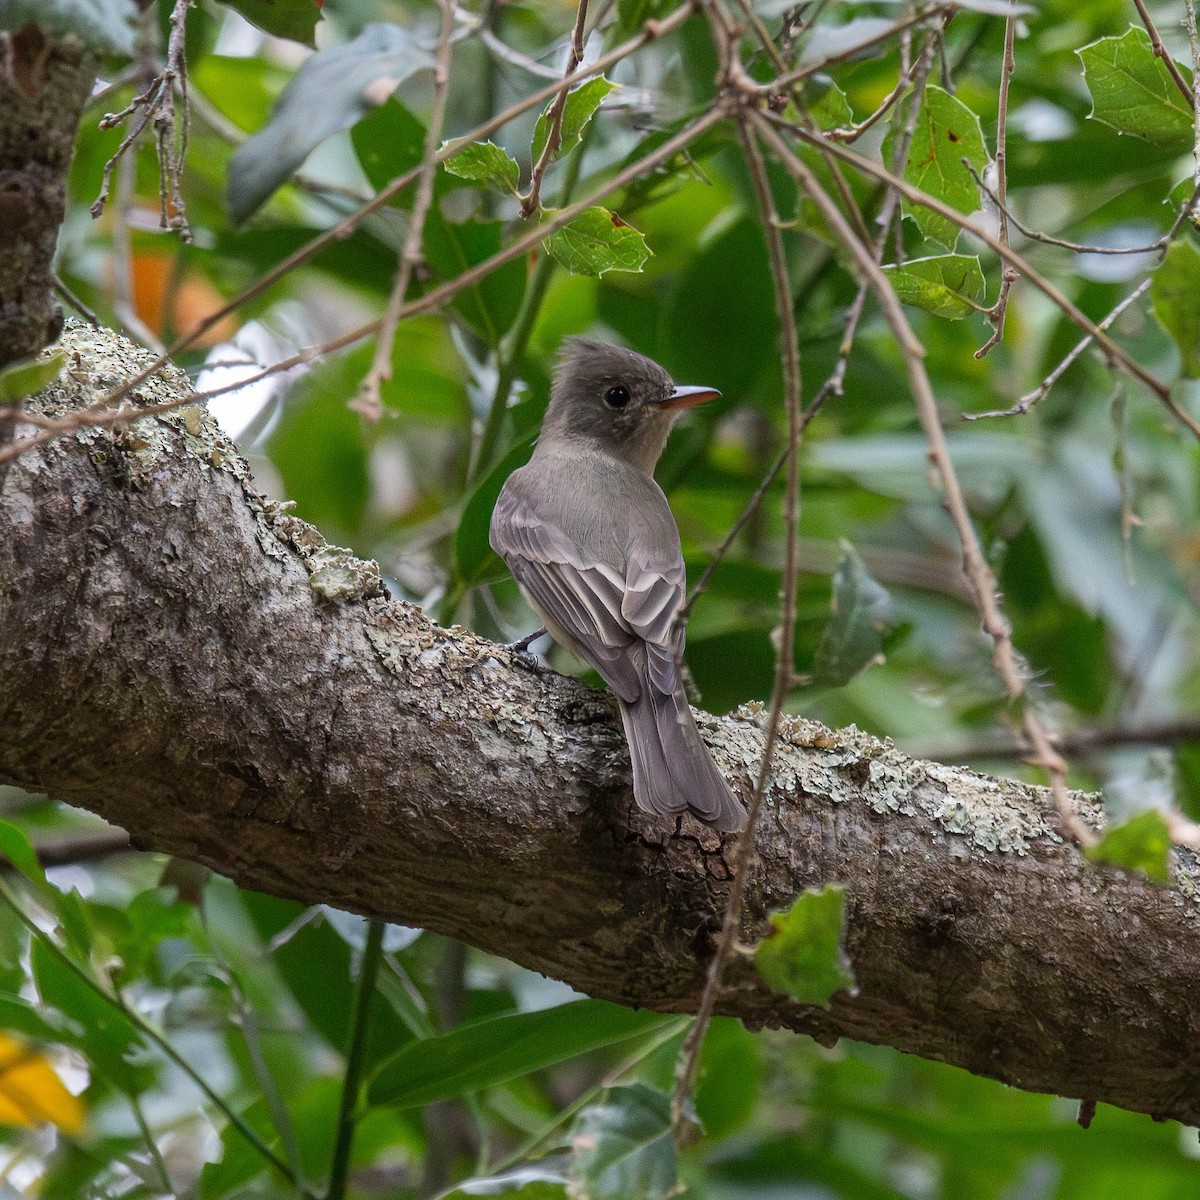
(621, 402)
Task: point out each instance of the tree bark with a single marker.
(183, 657)
(45, 81)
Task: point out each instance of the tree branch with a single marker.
(185, 659)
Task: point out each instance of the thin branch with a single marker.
(369, 402)
(75, 302)
(532, 200)
(82, 847)
(1116, 355)
(1008, 275)
(1159, 49)
(101, 413)
(975, 565)
(1193, 45)
(1027, 401)
(745, 851)
(651, 31)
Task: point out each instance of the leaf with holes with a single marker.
(580, 108)
(1133, 91)
(485, 162)
(946, 133)
(598, 241)
(947, 285)
(802, 956)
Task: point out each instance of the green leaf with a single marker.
(389, 141)
(598, 241)
(947, 131)
(108, 1036)
(580, 107)
(731, 1076)
(1143, 843)
(67, 907)
(624, 1148)
(1175, 295)
(494, 1051)
(853, 639)
(485, 162)
(1133, 91)
(802, 956)
(105, 25)
(827, 104)
(947, 285)
(29, 376)
(294, 19)
(472, 550)
(330, 92)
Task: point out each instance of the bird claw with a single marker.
(520, 652)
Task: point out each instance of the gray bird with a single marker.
(590, 538)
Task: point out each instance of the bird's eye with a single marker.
(617, 397)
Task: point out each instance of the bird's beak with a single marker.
(689, 397)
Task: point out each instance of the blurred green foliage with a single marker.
(1087, 506)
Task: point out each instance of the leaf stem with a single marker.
(360, 1020)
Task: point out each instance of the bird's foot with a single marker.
(520, 651)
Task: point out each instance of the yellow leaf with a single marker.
(31, 1092)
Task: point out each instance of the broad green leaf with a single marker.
(108, 1037)
(947, 285)
(598, 241)
(472, 551)
(1143, 843)
(105, 25)
(26, 378)
(731, 1076)
(947, 132)
(853, 638)
(294, 19)
(494, 1051)
(580, 108)
(802, 956)
(485, 162)
(66, 906)
(1133, 91)
(624, 1148)
(330, 92)
(1175, 295)
(389, 141)
(19, 1016)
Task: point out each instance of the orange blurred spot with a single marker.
(31, 1092)
(193, 299)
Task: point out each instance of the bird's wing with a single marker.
(580, 600)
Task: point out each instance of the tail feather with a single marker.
(673, 771)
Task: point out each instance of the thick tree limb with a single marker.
(194, 664)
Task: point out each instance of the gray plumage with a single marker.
(590, 538)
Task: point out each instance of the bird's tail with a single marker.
(672, 768)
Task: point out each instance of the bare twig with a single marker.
(975, 565)
(1194, 45)
(368, 402)
(157, 104)
(532, 200)
(1159, 49)
(745, 851)
(1027, 401)
(1008, 275)
(75, 302)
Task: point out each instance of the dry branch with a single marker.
(202, 669)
